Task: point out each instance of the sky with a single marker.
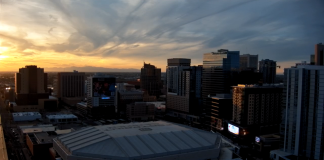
(60, 35)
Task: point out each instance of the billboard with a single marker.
(233, 129)
(103, 87)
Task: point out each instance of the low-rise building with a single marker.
(62, 118)
(140, 111)
(26, 116)
(150, 140)
(82, 108)
(40, 143)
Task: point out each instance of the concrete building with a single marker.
(319, 54)
(269, 69)
(302, 125)
(82, 108)
(26, 116)
(220, 109)
(9, 94)
(140, 111)
(256, 110)
(184, 94)
(126, 97)
(70, 84)
(30, 85)
(40, 143)
(62, 118)
(151, 140)
(151, 79)
(248, 61)
(101, 95)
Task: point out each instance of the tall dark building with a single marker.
(30, 85)
(319, 54)
(70, 84)
(256, 110)
(312, 59)
(248, 61)
(101, 95)
(268, 68)
(184, 89)
(220, 109)
(220, 70)
(151, 79)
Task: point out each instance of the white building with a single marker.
(26, 116)
(62, 118)
(302, 126)
(151, 140)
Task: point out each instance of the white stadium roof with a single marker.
(135, 141)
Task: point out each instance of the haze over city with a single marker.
(61, 35)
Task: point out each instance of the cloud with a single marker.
(137, 30)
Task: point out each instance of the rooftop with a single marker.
(279, 85)
(137, 140)
(60, 116)
(17, 114)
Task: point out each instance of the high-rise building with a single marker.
(30, 85)
(312, 59)
(151, 79)
(127, 94)
(184, 89)
(248, 61)
(256, 110)
(218, 73)
(70, 84)
(303, 123)
(101, 95)
(319, 54)
(220, 109)
(268, 68)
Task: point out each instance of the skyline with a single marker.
(124, 34)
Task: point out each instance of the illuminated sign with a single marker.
(105, 97)
(103, 87)
(257, 139)
(233, 129)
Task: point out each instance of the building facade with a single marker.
(219, 110)
(140, 111)
(70, 84)
(256, 110)
(101, 95)
(151, 79)
(269, 69)
(248, 61)
(218, 75)
(303, 123)
(30, 85)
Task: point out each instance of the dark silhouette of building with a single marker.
(151, 79)
(319, 54)
(219, 109)
(70, 84)
(220, 70)
(268, 68)
(248, 61)
(312, 59)
(30, 85)
(256, 110)
(249, 76)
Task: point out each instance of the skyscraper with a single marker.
(248, 61)
(303, 123)
(257, 109)
(151, 79)
(70, 84)
(184, 89)
(319, 54)
(31, 85)
(101, 95)
(217, 70)
(218, 73)
(268, 68)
